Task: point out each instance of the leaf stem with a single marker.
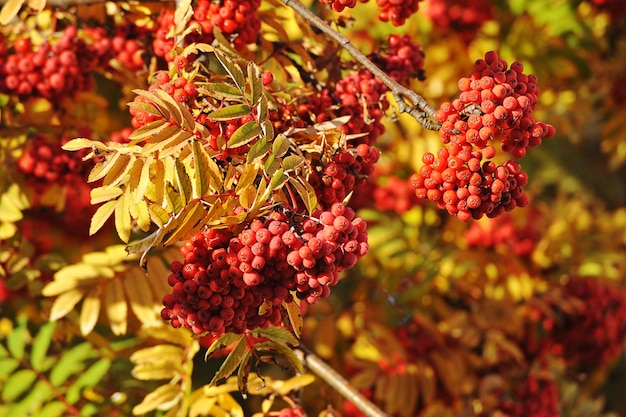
(418, 107)
(340, 384)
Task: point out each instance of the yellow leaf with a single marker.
(102, 168)
(296, 383)
(102, 194)
(65, 303)
(164, 397)
(10, 10)
(143, 215)
(122, 218)
(201, 406)
(183, 181)
(119, 170)
(37, 5)
(144, 177)
(295, 317)
(101, 216)
(157, 276)
(139, 295)
(157, 369)
(169, 352)
(135, 176)
(116, 307)
(90, 311)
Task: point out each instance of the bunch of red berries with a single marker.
(349, 169)
(49, 70)
(396, 11)
(339, 5)
(362, 97)
(233, 282)
(595, 333)
(45, 163)
(503, 233)
(463, 17)
(403, 59)
(537, 396)
(495, 105)
(395, 195)
(238, 20)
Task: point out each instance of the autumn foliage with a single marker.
(246, 207)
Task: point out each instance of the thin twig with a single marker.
(419, 109)
(340, 384)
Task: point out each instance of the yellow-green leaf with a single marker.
(201, 168)
(183, 181)
(295, 317)
(232, 68)
(278, 180)
(223, 341)
(231, 362)
(148, 130)
(256, 86)
(230, 112)
(292, 162)
(280, 146)
(169, 352)
(244, 134)
(222, 90)
(122, 218)
(139, 295)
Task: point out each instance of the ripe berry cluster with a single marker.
(537, 396)
(362, 96)
(395, 195)
(502, 233)
(395, 11)
(348, 170)
(464, 17)
(495, 105)
(236, 19)
(233, 282)
(44, 163)
(403, 59)
(49, 70)
(595, 333)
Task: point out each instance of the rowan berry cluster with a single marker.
(495, 105)
(49, 70)
(348, 170)
(595, 333)
(537, 396)
(362, 96)
(236, 19)
(395, 11)
(404, 59)
(502, 233)
(395, 195)
(340, 5)
(226, 277)
(44, 163)
(463, 17)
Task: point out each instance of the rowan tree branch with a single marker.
(418, 106)
(340, 384)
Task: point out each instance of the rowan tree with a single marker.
(270, 208)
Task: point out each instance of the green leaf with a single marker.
(277, 334)
(244, 372)
(71, 362)
(230, 112)
(53, 409)
(292, 162)
(231, 362)
(17, 384)
(223, 90)
(224, 340)
(41, 344)
(280, 146)
(7, 366)
(16, 341)
(90, 378)
(278, 180)
(258, 150)
(244, 134)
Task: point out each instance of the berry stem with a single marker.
(419, 109)
(340, 384)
